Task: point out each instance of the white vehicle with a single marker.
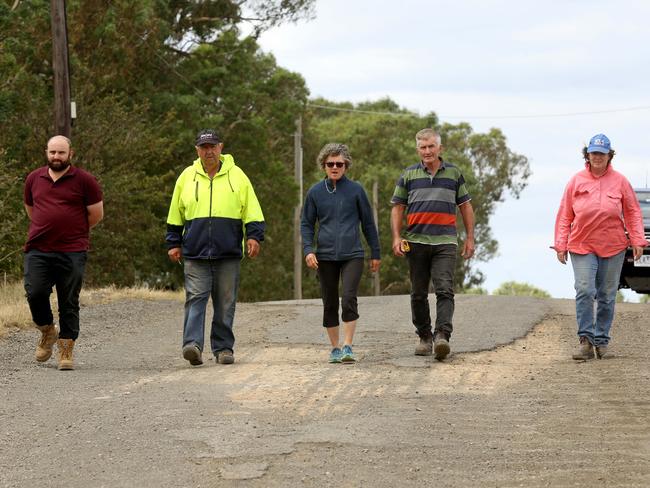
(636, 274)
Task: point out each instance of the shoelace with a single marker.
(66, 351)
(44, 339)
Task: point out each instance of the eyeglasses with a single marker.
(331, 164)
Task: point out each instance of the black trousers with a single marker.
(349, 272)
(432, 264)
(63, 270)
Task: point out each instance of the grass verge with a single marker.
(14, 312)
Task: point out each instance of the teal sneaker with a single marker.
(335, 355)
(347, 356)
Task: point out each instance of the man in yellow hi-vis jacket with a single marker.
(213, 213)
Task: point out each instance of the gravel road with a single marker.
(509, 408)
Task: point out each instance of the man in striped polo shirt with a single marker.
(430, 191)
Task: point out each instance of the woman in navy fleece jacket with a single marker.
(340, 206)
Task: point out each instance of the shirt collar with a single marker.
(71, 172)
(442, 166)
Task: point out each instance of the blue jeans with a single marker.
(432, 264)
(63, 270)
(218, 279)
(596, 283)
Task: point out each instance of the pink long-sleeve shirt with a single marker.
(594, 213)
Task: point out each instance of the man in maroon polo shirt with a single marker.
(63, 203)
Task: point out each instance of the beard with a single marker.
(58, 165)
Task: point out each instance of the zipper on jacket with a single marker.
(338, 205)
(210, 221)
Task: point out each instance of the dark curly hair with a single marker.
(585, 155)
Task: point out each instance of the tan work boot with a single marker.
(584, 351)
(49, 335)
(601, 351)
(425, 347)
(65, 347)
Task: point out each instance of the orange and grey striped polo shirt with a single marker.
(431, 202)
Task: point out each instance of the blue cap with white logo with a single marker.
(599, 143)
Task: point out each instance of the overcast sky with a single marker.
(548, 74)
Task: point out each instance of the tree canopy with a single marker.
(521, 290)
(148, 75)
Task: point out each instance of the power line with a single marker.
(371, 112)
(531, 116)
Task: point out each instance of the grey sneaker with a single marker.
(425, 347)
(225, 357)
(601, 351)
(584, 351)
(440, 346)
(192, 353)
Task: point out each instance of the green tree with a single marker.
(476, 291)
(146, 77)
(513, 288)
(381, 137)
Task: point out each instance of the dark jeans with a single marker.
(329, 273)
(65, 270)
(432, 263)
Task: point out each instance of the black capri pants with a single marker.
(329, 273)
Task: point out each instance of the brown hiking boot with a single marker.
(601, 351)
(440, 346)
(425, 347)
(65, 347)
(192, 353)
(49, 335)
(225, 357)
(584, 351)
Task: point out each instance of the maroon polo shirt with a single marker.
(59, 215)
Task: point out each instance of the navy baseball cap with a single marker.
(207, 136)
(599, 143)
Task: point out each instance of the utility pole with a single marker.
(376, 285)
(297, 240)
(60, 66)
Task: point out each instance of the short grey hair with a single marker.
(427, 133)
(334, 149)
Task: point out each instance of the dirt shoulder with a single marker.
(519, 412)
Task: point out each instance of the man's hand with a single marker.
(374, 265)
(252, 248)
(175, 254)
(396, 217)
(561, 256)
(311, 261)
(637, 251)
(397, 247)
(468, 248)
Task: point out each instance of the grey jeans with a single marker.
(435, 264)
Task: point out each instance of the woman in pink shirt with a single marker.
(597, 207)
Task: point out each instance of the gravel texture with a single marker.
(508, 408)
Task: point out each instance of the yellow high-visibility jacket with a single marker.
(208, 217)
